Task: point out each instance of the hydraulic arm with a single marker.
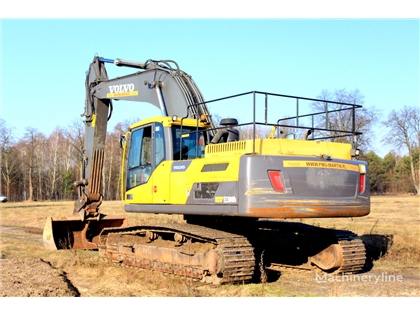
(160, 83)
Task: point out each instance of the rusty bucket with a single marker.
(73, 233)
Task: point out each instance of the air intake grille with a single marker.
(226, 147)
(220, 167)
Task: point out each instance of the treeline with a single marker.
(44, 167)
(391, 174)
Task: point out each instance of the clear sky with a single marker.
(43, 61)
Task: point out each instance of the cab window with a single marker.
(188, 143)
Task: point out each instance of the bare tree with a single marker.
(41, 156)
(75, 135)
(54, 145)
(10, 170)
(9, 160)
(343, 119)
(5, 134)
(29, 153)
(404, 131)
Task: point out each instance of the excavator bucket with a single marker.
(73, 233)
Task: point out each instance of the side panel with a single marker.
(199, 186)
(204, 181)
(161, 190)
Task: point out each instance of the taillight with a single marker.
(362, 183)
(275, 179)
(362, 180)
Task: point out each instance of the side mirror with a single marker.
(354, 152)
(123, 141)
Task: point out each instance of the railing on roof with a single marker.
(294, 122)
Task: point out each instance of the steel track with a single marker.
(354, 253)
(236, 261)
(351, 245)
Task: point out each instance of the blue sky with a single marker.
(43, 61)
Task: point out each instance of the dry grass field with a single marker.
(391, 233)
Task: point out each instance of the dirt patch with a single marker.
(33, 278)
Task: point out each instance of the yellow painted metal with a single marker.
(282, 147)
(93, 121)
(160, 179)
(123, 175)
(168, 122)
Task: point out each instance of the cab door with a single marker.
(161, 178)
(140, 165)
(146, 155)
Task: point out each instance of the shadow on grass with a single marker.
(377, 246)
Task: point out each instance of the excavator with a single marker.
(242, 198)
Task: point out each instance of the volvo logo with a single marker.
(180, 166)
(121, 88)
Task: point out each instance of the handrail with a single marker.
(337, 133)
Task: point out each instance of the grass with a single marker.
(394, 218)
(397, 218)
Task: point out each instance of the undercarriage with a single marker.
(187, 250)
(232, 255)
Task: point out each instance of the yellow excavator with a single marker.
(236, 193)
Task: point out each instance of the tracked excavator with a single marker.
(239, 197)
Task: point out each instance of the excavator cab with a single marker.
(151, 142)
